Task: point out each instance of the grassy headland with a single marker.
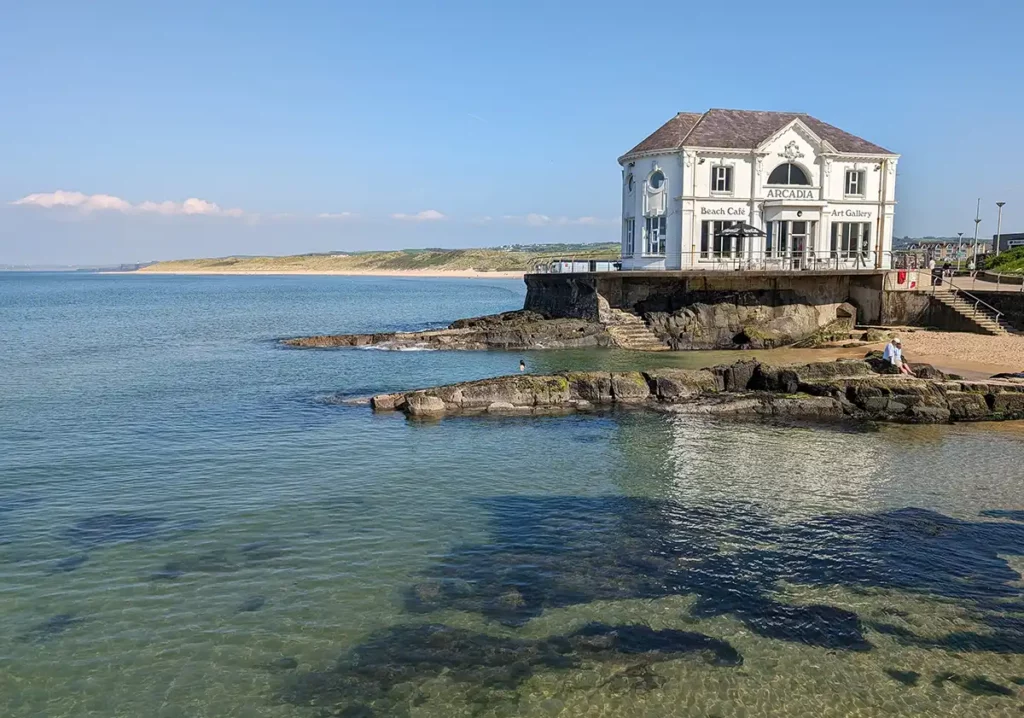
(518, 258)
(1010, 262)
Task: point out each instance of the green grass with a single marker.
(516, 259)
(1009, 262)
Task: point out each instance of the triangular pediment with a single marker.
(796, 126)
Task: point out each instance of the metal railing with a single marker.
(969, 298)
(743, 261)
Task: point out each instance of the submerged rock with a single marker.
(821, 390)
(403, 656)
(50, 628)
(253, 603)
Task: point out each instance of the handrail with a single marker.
(977, 302)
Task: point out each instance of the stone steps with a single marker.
(978, 315)
(630, 332)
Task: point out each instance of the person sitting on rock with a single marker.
(894, 355)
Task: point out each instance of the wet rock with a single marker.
(252, 603)
(507, 331)
(420, 404)
(50, 628)
(674, 385)
(907, 678)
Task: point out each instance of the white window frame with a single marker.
(851, 240)
(858, 178)
(630, 231)
(655, 246)
(721, 179)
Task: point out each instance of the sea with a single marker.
(196, 521)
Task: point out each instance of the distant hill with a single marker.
(516, 258)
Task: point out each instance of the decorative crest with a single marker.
(791, 152)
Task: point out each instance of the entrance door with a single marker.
(798, 244)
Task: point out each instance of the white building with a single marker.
(823, 197)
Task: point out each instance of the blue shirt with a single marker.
(893, 354)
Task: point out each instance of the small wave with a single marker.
(385, 347)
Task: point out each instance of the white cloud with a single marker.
(427, 215)
(101, 202)
(543, 220)
(335, 215)
(85, 202)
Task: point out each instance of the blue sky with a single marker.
(311, 126)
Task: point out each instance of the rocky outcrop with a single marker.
(510, 331)
(824, 390)
(750, 322)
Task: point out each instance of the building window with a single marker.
(851, 240)
(855, 183)
(629, 183)
(712, 244)
(654, 236)
(788, 173)
(721, 179)
(629, 229)
(656, 180)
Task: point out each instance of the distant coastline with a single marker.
(509, 262)
(425, 273)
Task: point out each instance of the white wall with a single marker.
(691, 201)
(633, 206)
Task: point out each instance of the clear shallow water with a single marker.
(191, 524)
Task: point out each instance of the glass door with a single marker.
(798, 244)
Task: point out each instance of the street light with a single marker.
(977, 221)
(959, 249)
(999, 225)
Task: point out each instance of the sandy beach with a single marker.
(973, 355)
(407, 273)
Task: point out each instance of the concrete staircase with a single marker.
(984, 318)
(630, 332)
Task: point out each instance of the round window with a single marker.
(657, 179)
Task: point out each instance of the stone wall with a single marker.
(920, 309)
(1010, 303)
(562, 296)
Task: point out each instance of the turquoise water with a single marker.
(194, 523)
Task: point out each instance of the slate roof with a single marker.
(744, 129)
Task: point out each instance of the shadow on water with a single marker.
(553, 552)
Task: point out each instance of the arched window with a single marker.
(788, 173)
(657, 179)
(629, 182)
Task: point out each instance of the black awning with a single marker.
(742, 229)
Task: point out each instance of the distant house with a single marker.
(941, 249)
(821, 197)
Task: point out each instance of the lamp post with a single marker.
(999, 225)
(959, 248)
(977, 221)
